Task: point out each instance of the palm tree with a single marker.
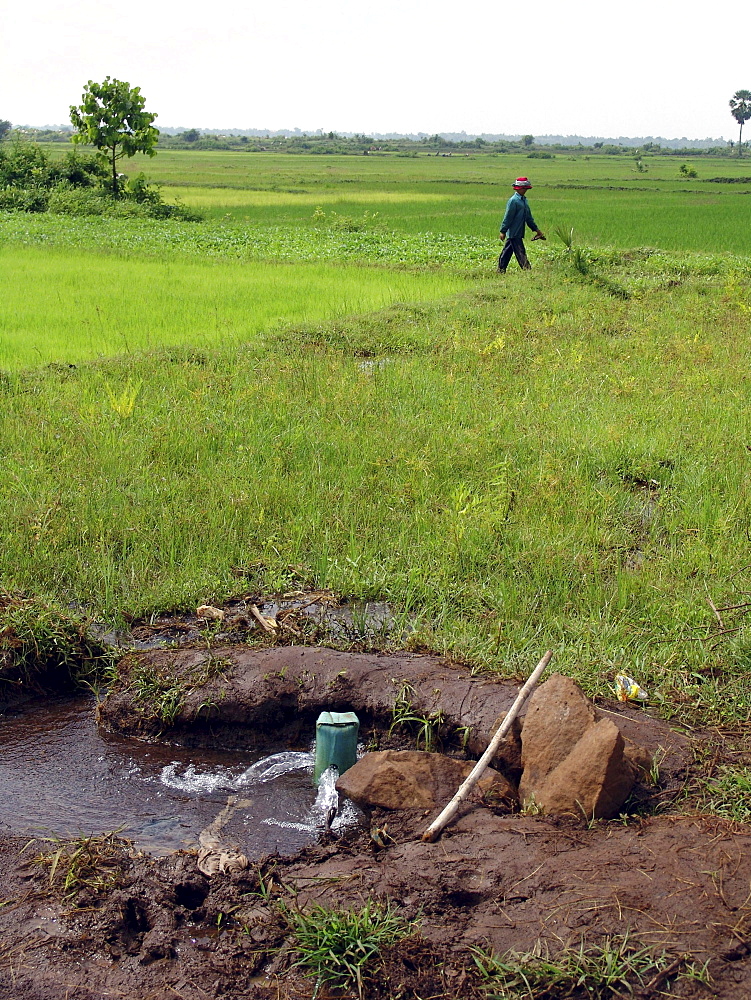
(740, 109)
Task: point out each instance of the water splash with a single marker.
(274, 767)
(316, 817)
(326, 813)
(206, 782)
(194, 781)
(326, 804)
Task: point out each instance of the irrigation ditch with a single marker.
(199, 734)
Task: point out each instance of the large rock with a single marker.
(574, 763)
(410, 779)
(593, 781)
(558, 715)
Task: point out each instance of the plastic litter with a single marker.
(627, 689)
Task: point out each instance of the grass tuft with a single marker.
(91, 864)
(160, 695)
(618, 967)
(342, 948)
(40, 642)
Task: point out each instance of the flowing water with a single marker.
(60, 776)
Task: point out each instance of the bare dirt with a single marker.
(675, 882)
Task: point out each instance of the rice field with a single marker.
(68, 307)
(607, 200)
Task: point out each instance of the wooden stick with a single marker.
(717, 614)
(262, 620)
(434, 830)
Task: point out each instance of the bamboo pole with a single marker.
(434, 830)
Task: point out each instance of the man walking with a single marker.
(517, 217)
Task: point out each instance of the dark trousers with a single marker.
(513, 246)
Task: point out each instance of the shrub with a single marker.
(79, 170)
(24, 164)
(77, 184)
(16, 199)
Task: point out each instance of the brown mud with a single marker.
(677, 883)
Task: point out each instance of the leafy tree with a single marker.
(111, 117)
(740, 109)
(528, 140)
(192, 135)
(5, 127)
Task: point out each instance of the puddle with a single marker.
(356, 622)
(59, 776)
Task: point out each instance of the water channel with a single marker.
(61, 777)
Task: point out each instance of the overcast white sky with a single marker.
(646, 67)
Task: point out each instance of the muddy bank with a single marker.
(44, 650)
(258, 697)
(676, 884)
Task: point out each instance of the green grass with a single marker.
(65, 307)
(556, 459)
(728, 794)
(618, 967)
(483, 463)
(605, 198)
(341, 948)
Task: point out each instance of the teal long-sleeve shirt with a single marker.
(518, 215)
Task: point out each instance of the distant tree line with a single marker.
(331, 143)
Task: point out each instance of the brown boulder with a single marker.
(558, 715)
(593, 781)
(575, 763)
(411, 779)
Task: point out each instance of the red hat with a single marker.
(522, 182)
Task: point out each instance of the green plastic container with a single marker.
(336, 742)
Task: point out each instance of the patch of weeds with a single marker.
(611, 969)
(39, 641)
(214, 666)
(164, 695)
(342, 948)
(363, 633)
(728, 794)
(582, 263)
(530, 807)
(584, 266)
(88, 864)
(426, 727)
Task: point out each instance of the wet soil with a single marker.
(316, 615)
(676, 883)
